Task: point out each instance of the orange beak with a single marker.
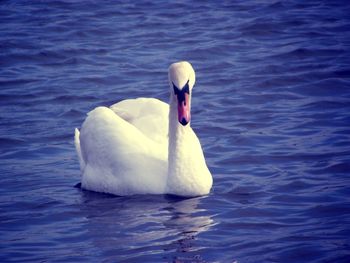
(183, 109)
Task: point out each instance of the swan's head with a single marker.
(181, 80)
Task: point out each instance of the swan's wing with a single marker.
(150, 116)
(119, 158)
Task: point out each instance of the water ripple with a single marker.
(271, 108)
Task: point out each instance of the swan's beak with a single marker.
(183, 110)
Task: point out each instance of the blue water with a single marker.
(271, 107)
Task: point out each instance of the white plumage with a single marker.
(143, 146)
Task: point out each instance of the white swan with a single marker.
(145, 146)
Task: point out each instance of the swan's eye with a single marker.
(186, 88)
(176, 90)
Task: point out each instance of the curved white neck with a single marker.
(177, 137)
(177, 148)
(188, 174)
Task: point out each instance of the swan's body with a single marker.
(144, 146)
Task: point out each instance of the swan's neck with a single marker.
(188, 174)
(181, 163)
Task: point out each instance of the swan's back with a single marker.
(149, 115)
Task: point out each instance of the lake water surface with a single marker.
(271, 107)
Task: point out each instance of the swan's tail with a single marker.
(77, 147)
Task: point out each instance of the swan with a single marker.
(144, 145)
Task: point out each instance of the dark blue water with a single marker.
(271, 107)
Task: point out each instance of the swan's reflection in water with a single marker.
(162, 228)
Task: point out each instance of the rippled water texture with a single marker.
(271, 107)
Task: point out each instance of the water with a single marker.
(271, 107)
